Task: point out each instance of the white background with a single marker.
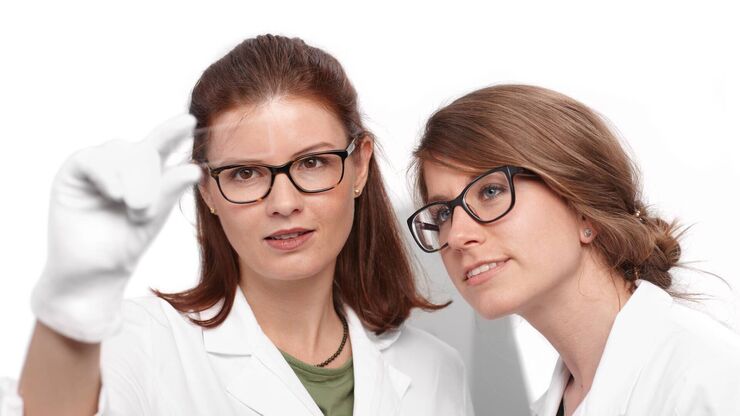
(74, 74)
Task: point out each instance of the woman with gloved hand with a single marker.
(304, 286)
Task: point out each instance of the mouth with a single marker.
(483, 269)
(289, 239)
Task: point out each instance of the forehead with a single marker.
(273, 131)
(445, 182)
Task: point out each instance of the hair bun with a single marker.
(665, 251)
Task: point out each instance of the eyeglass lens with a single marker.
(311, 174)
(488, 198)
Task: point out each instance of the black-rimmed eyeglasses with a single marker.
(486, 199)
(309, 173)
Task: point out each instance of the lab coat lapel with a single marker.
(379, 387)
(261, 378)
(548, 404)
(634, 337)
(270, 387)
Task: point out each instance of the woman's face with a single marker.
(288, 235)
(530, 251)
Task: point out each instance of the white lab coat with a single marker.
(661, 358)
(161, 364)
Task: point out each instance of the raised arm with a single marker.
(108, 203)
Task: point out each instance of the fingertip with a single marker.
(138, 202)
(192, 172)
(186, 120)
(138, 215)
(171, 133)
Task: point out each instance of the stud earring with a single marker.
(588, 233)
(357, 192)
(213, 210)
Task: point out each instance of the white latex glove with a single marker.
(107, 204)
(10, 403)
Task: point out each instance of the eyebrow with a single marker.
(440, 198)
(436, 198)
(310, 149)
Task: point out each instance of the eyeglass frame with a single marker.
(285, 168)
(509, 171)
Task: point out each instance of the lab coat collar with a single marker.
(548, 404)
(632, 340)
(379, 387)
(269, 386)
(238, 333)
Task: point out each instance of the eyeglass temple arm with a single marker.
(427, 227)
(211, 172)
(351, 147)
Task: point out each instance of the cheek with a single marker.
(547, 242)
(335, 214)
(240, 225)
(556, 243)
(452, 264)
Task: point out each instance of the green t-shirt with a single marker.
(333, 389)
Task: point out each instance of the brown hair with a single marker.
(574, 152)
(373, 274)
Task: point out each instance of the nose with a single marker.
(464, 231)
(284, 198)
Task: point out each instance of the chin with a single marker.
(285, 269)
(491, 315)
(286, 273)
(493, 307)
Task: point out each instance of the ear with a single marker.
(204, 192)
(364, 154)
(586, 230)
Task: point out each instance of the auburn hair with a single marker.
(577, 156)
(373, 274)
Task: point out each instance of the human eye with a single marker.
(243, 174)
(491, 191)
(440, 214)
(312, 162)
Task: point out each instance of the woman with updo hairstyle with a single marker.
(305, 281)
(536, 210)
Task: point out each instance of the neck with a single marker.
(576, 317)
(298, 316)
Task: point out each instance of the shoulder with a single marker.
(147, 319)
(703, 337)
(439, 381)
(710, 380)
(420, 346)
(678, 328)
(705, 361)
(152, 331)
(151, 310)
(422, 341)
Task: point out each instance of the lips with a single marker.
(482, 267)
(287, 234)
(289, 239)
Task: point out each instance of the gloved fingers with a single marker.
(117, 170)
(141, 178)
(141, 174)
(170, 134)
(131, 173)
(93, 166)
(177, 180)
(107, 183)
(174, 181)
